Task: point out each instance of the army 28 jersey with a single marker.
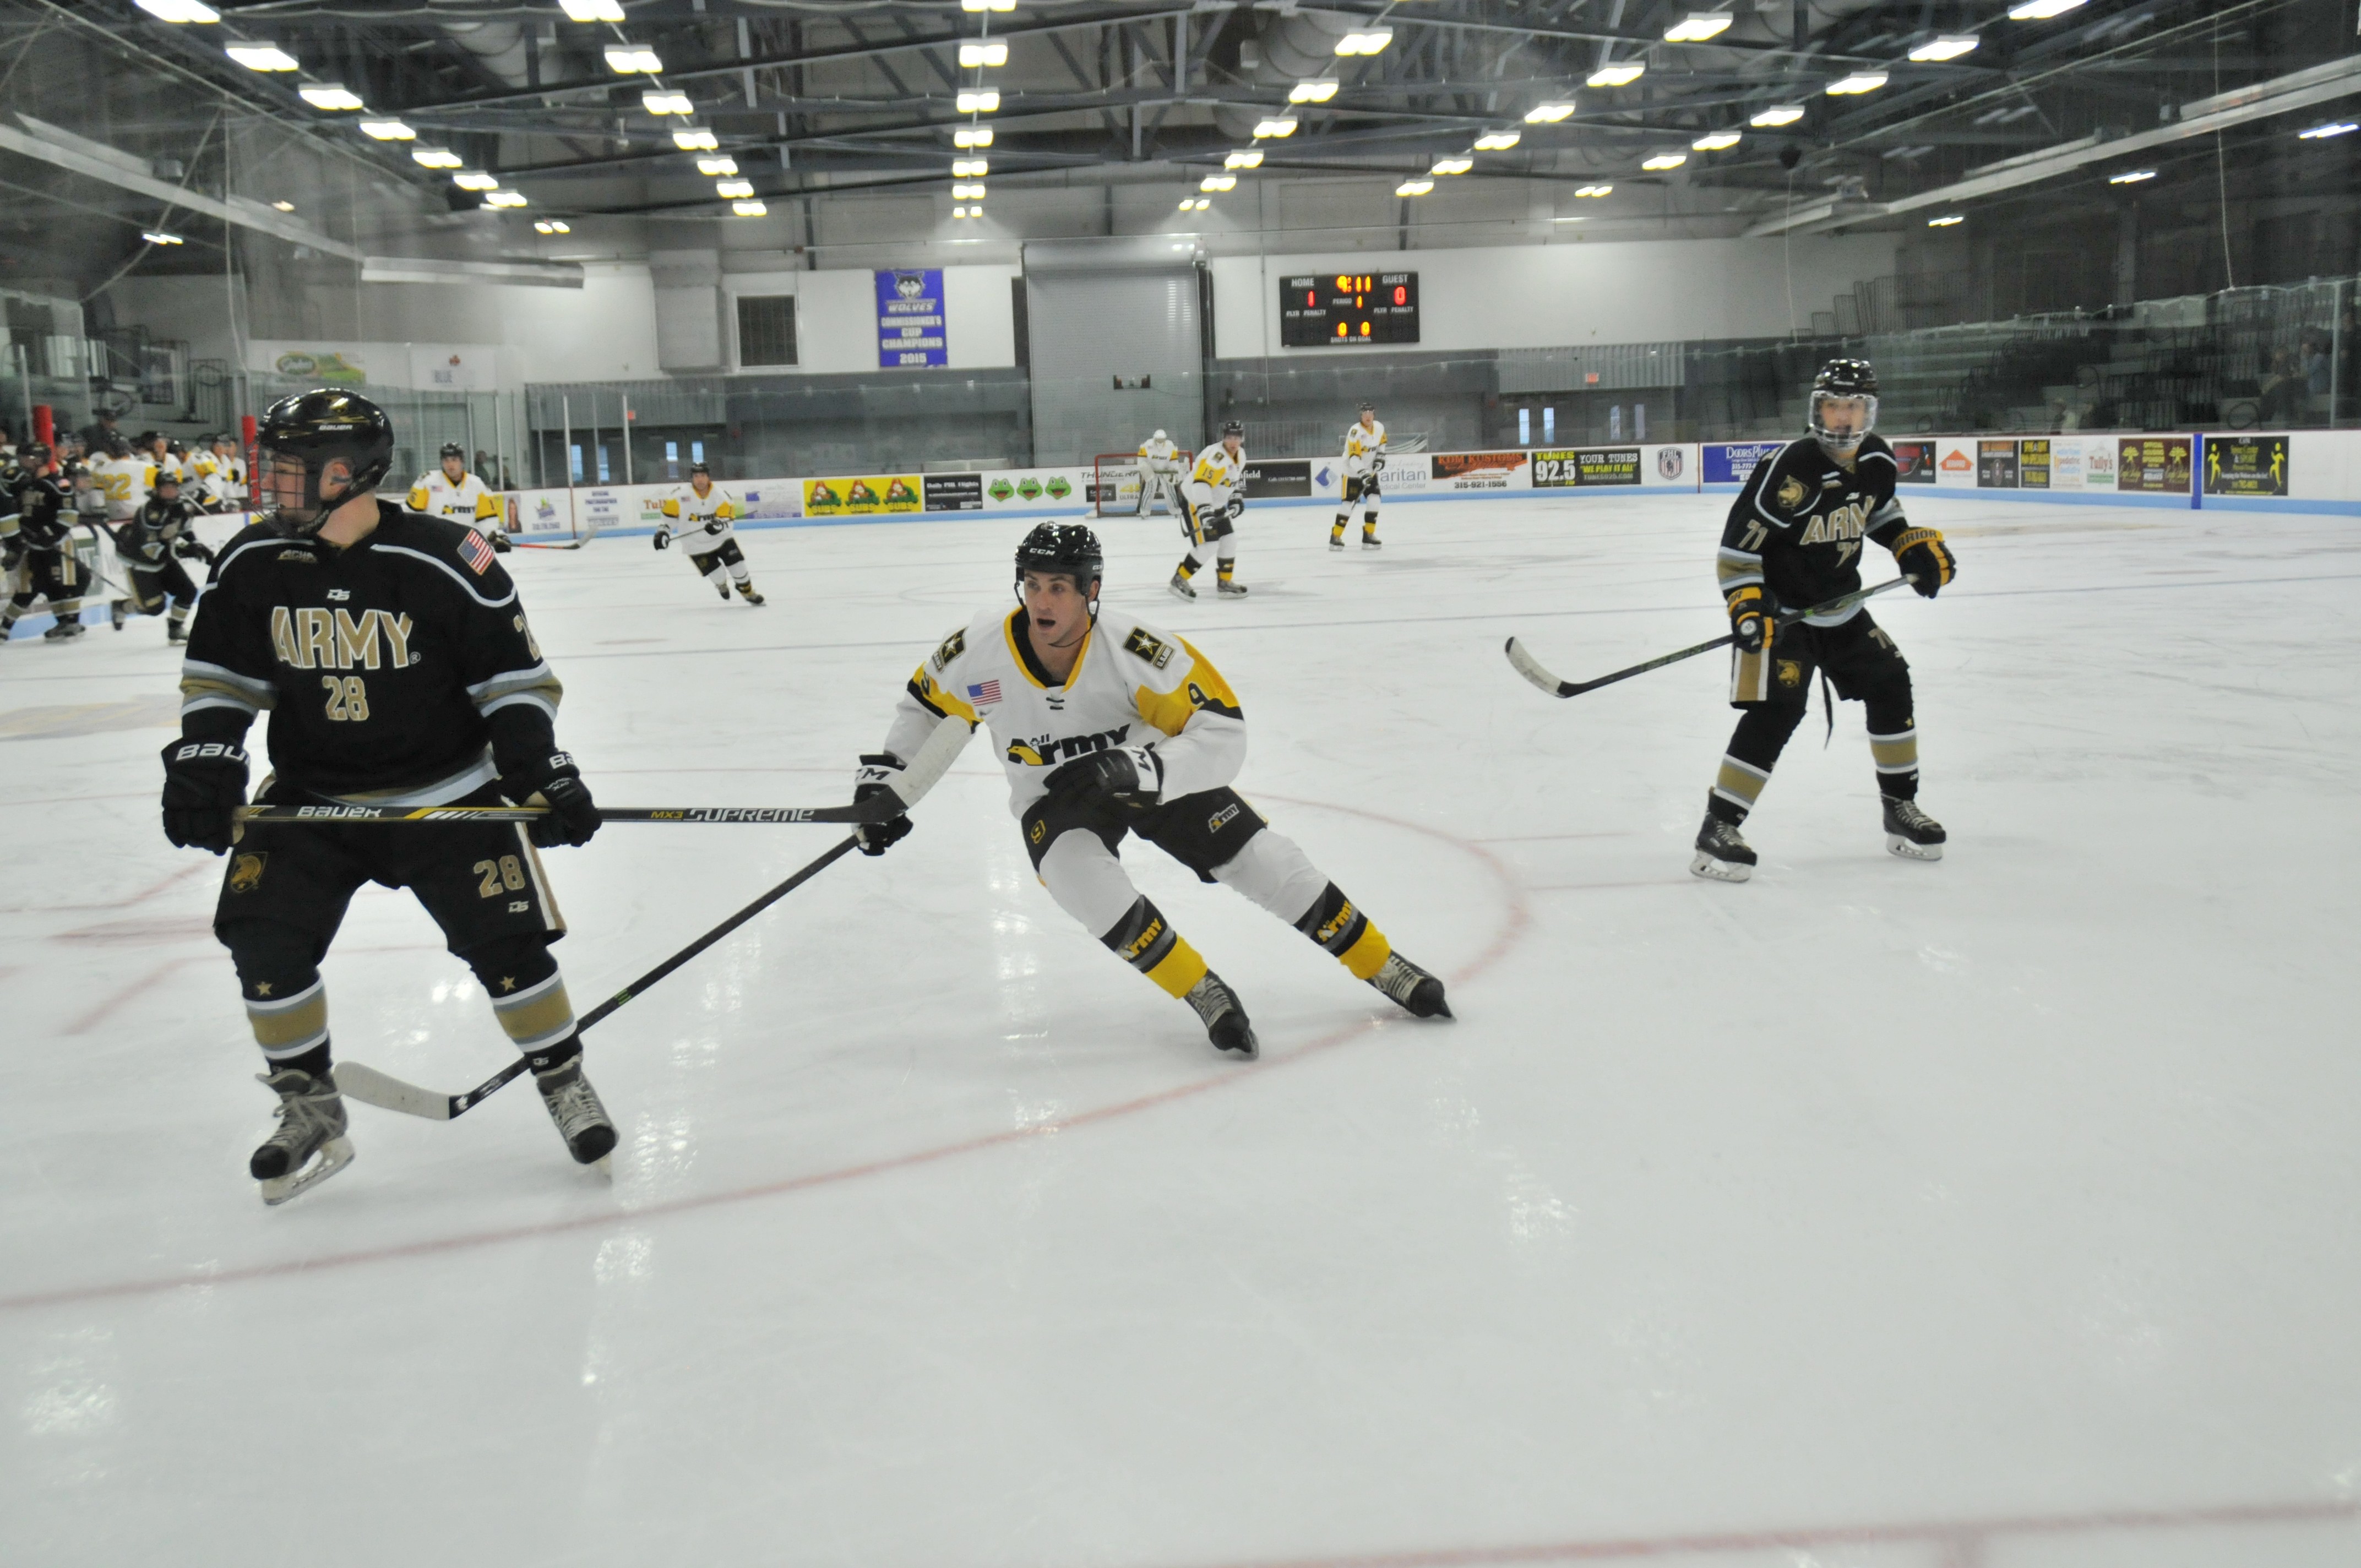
(1365, 448)
(397, 671)
(1133, 685)
(1796, 528)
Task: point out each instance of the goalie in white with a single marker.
(1160, 475)
(1364, 463)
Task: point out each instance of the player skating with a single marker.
(153, 545)
(396, 663)
(1212, 499)
(41, 536)
(1363, 463)
(450, 492)
(1160, 474)
(699, 513)
(1108, 726)
(1793, 538)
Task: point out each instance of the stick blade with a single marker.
(360, 1082)
(1530, 668)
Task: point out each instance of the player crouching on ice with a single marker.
(1795, 538)
(1108, 726)
(394, 659)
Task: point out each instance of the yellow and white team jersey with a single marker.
(220, 481)
(1215, 474)
(1135, 685)
(701, 524)
(470, 501)
(128, 482)
(1159, 455)
(1365, 447)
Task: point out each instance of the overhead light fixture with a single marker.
(434, 157)
(1663, 160)
(388, 130)
(2042, 10)
(1498, 141)
(1699, 26)
(475, 180)
(180, 11)
(551, 225)
(159, 236)
(1452, 166)
(1315, 91)
(1778, 114)
(260, 56)
(748, 209)
(1595, 190)
(667, 103)
(1946, 220)
(1413, 187)
(969, 168)
(1371, 42)
(983, 103)
(1860, 81)
(591, 10)
(1218, 183)
(2334, 128)
(987, 5)
(1950, 46)
(1187, 202)
(1251, 157)
(967, 192)
(1282, 125)
(1547, 113)
(973, 56)
(961, 212)
(1716, 142)
(1201, 204)
(693, 138)
(734, 188)
(971, 136)
(626, 60)
(327, 96)
(1621, 75)
(2131, 177)
(284, 206)
(504, 199)
(717, 166)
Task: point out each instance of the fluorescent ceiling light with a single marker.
(969, 168)
(1201, 204)
(959, 212)
(975, 55)
(1946, 220)
(1699, 26)
(2131, 177)
(1620, 75)
(260, 56)
(1318, 92)
(748, 209)
(1498, 141)
(475, 180)
(434, 157)
(1718, 141)
(388, 130)
(967, 192)
(504, 198)
(2321, 133)
(158, 237)
(987, 5)
(971, 136)
(667, 103)
(1595, 190)
(551, 225)
(1284, 126)
(1187, 202)
(627, 59)
(1452, 166)
(1950, 46)
(2042, 10)
(690, 138)
(1547, 113)
(1251, 157)
(1218, 183)
(1860, 81)
(734, 188)
(1778, 114)
(1666, 160)
(591, 10)
(180, 11)
(1371, 42)
(717, 166)
(284, 206)
(327, 96)
(984, 102)
(1413, 187)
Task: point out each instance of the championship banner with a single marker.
(2245, 465)
(2153, 465)
(1600, 466)
(910, 322)
(867, 496)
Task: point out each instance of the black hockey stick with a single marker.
(371, 1087)
(1531, 667)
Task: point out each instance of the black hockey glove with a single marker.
(877, 774)
(1129, 775)
(191, 546)
(1750, 619)
(1921, 552)
(500, 538)
(556, 784)
(664, 538)
(1237, 508)
(205, 783)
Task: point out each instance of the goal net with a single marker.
(1117, 480)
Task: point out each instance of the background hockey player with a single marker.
(1793, 538)
(125, 475)
(1209, 518)
(450, 492)
(1364, 463)
(394, 659)
(701, 513)
(1160, 472)
(43, 531)
(152, 544)
(220, 476)
(1107, 726)
(156, 450)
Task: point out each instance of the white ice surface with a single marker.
(1840, 1218)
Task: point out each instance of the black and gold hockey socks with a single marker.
(1345, 933)
(1736, 788)
(1189, 567)
(1225, 569)
(1896, 756)
(1336, 532)
(1143, 940)
(528, 996)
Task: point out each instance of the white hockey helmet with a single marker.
(1159, 436)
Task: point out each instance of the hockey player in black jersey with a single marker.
(1795, 538)
(41, 536)
(394, 659)
(153, 542)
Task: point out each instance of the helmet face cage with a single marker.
(315, 429)
(1066, 548)
(1844, 380)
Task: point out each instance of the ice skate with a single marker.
(309, 1145)
(1722, 853)
(62, 631)
(1180, 588)
(574, 1105)
(1371, 541)
(723, 590)
(176, 631)
(1910, 832)
(1419, 993)
(118, 611)
(1337, 541)
(746, 591)
(1230, 590)
(1225, 1016)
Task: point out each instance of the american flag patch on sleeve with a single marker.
(984, 691)
(476, 551)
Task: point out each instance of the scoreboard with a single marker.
(1332, 310)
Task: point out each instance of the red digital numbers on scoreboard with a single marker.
(1348, 309)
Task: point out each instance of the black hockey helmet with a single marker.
(700, 467)
(1231, 427)
(1368, 409)
(1068, 547)
(33, 457)
(315, 429)
(453, 449)
(166, 477)
(1842, 380)
(117, 446)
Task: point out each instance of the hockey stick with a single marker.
(1531, 667)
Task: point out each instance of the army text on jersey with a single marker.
(1796, 528)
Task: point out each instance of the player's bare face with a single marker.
(1368, 420)
(1057, 618)
(1230, 444)
(455, 469)
(702, 485)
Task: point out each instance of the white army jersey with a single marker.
(1219, 472)
(470, 501)
(701, 524)
(127, 481)
(1364, 448)
(1161, 456)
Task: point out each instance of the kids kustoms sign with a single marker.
(910, 325)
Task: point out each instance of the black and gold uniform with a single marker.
(41, 532)
(153, 543)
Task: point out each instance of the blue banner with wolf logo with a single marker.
(910, 326)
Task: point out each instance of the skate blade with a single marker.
(1896, 844)
(1712, 869)
(331, 1157)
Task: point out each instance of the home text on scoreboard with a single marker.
(1333, 310)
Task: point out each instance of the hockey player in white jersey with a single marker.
(699, 513)
(125, 475)
(455, 494)
(1107, 726)
(1364, 463)
(1159, 473)
(1212, 498)
(220, 476)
